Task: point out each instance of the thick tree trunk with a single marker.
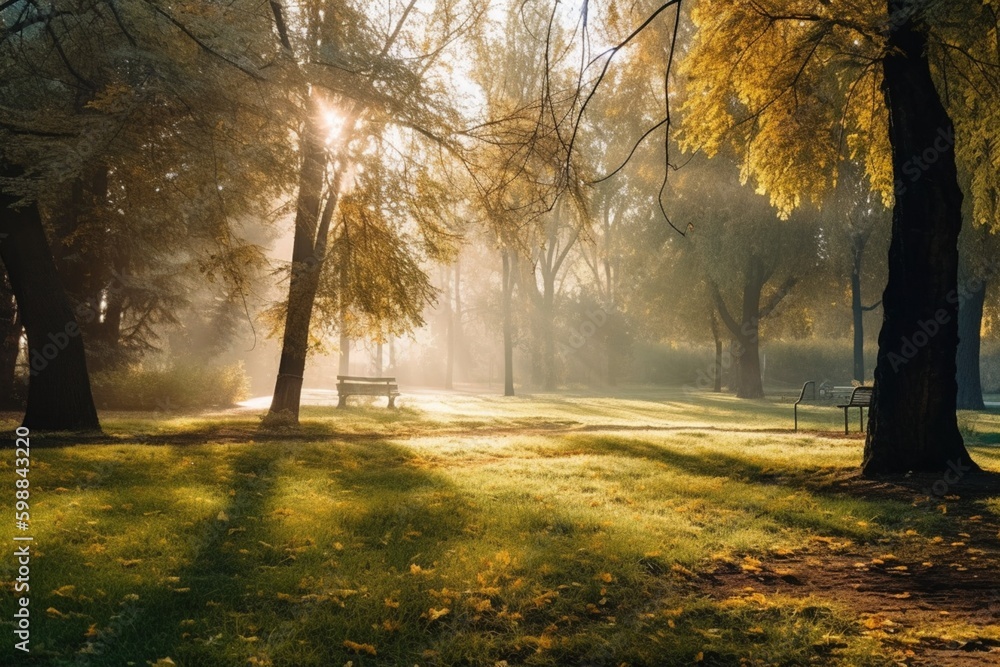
(748, 381)
(10, 344)
(508, 325)
(858, 313)
(304, 281)
(59, 397)
(746, 332)
(912, 422)
(970, 322)
(89, 263)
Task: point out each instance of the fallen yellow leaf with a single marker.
(435, 614)
(359, 648)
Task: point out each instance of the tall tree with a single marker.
(912, 423)
(749, 259)
(59, 396)
(366, 79)
(92, 91)
(790, 87)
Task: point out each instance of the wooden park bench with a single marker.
(855, 397)
(861, 398)
(349, 385)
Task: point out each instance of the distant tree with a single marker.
(857, 230)
(515, 173)
(978, 246)
(557, 233)
(749, 259)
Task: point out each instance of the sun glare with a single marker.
(334, 123)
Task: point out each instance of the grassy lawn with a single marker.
(658, 528)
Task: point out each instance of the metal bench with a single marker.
(840, 393)
(350, 385)
(855, 397)
(802, 397)
(861, 398)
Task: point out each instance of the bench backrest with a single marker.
(364, 380)
(862, 396)
(810, 385)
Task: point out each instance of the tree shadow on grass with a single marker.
(242, 585)
(891, 501)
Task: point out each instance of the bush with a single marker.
(794, 362)
(170, 387)
(671, 364)
(989, 364)
(783, 362)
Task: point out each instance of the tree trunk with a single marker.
(59, 397)
(449, 367)
(912, 424)
(508, 326)
(461, 351)
(10, 344)
(748, 380)
(970, 323)
(549, 372)
(304, 280)
(857, 310)
(345, 337)
(717, 370)
(90, 264)
(344, 358)
(746, 331)
(537, 349)
(378, 360)
(610, 344)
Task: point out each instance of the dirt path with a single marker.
(935, 599)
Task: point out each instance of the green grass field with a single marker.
(659, 528)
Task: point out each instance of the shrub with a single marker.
(783, 362)
(170, 387)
